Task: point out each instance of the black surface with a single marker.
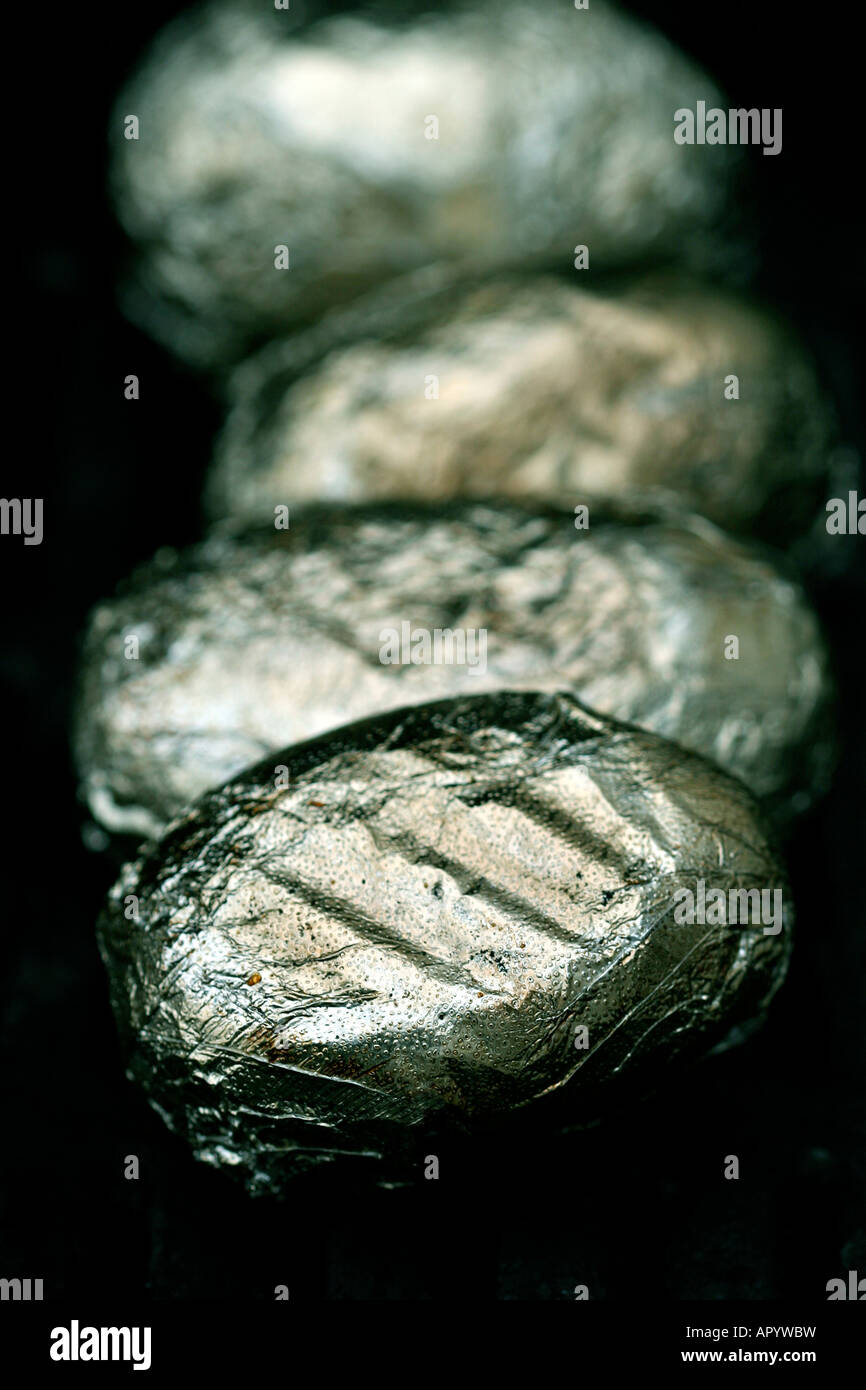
(639, 1204)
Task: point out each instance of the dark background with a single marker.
(637, 1208)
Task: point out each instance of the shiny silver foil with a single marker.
(244, 644)
(441, 916)
(534, 387)
(555, 129)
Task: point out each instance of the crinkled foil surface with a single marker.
(412, 929)
(555, 128)
(533, 387)
(250, 643)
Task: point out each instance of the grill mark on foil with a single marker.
(572, 831)
(553, 821)
(473, 883)
(375, 932)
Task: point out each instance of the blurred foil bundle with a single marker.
(279, 635)
(531, 387)
(440, 917)
(488, 135)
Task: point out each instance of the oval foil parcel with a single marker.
(209, 659)
(435, 918)
(530, 387)
(281, 168)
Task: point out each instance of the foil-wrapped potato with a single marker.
(435, 918)
(278, 167)
(213, 657)
(531, 386)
